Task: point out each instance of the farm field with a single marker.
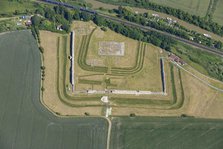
(196, 7)
(217, 15)
(168, 133)
(24, 122)
(11, 6)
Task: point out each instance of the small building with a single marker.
(207, 35)
(176, 59)
(155, 15)
(59, 27)
(28, 23)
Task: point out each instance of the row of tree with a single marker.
(122, 12)
(196, 20)
(137, 34)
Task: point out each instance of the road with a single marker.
(109, 133)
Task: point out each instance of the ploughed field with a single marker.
(24, 122)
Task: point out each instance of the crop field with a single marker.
(24, 122)
(168, 133)
(217, 15)
(11, 6)
(197, 7)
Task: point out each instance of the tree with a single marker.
(85, 16)
(66, 27)
(40, 11)
(76, 15)
(218, 45)
(42, 89)
(99, 20)
(36, 20)
(86, 113)
(68, 16)
(41, 49)
(132, 115)
(104, 28)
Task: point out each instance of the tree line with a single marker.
(155, 38)
(208, 25)
(48, 19)
(159, 24)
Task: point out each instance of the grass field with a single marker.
(196, 7)
(168, 133)
(217, 16)
(24, 121)
(10, 6)
(139, 60)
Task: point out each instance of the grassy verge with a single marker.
(202, 61)
(61, 88)
(174, 93)
(94, 82)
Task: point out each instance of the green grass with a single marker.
(10, 6)
(174, 93)
(9, 25)
(218, 13)
(24, 121)
(94, 82)
(206, 63)
(166, 133)
(196, 7)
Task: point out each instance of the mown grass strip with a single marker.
(83, 55)
(63, 96)
(138, 65)
(94, 82)
(174, 93)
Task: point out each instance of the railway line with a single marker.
(145, 28)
